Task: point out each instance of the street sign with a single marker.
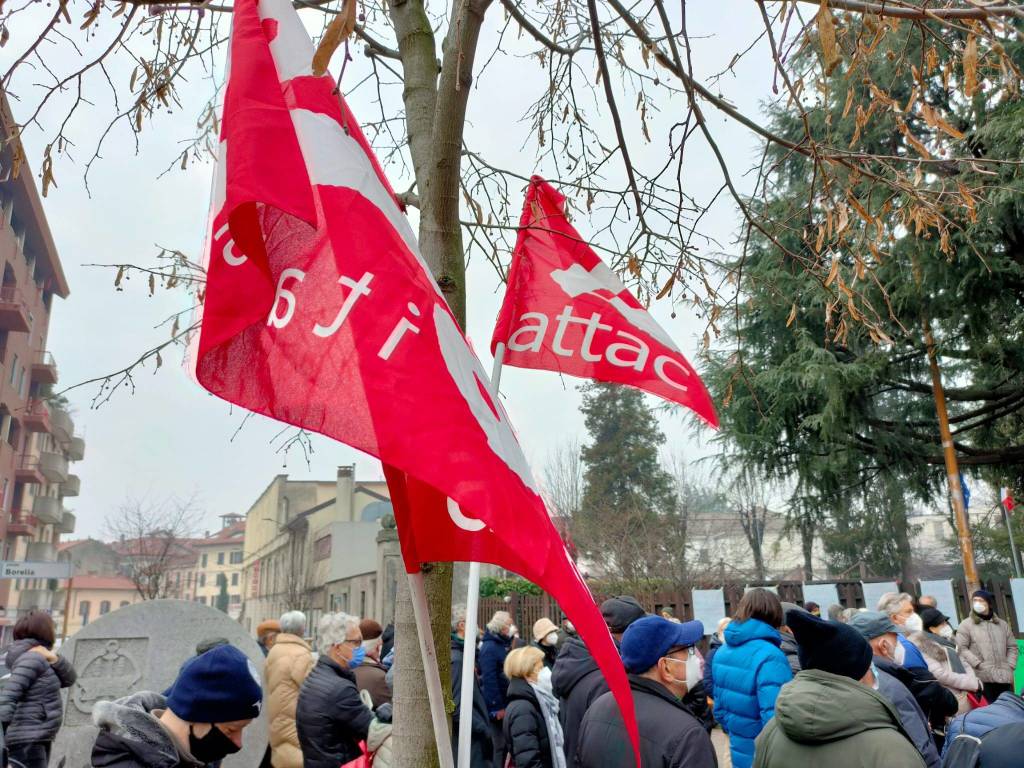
(24, 569)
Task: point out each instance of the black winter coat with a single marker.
(670, 736)
(491, 663)
(577, 682)
(30, 705)
(936, 702)
(330, 717)
(130, 736)
(481, 748)
(526, 734)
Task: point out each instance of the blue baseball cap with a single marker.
(648, 639)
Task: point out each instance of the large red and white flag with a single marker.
(320, 312)
(566, 311)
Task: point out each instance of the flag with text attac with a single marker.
(566, 311)
(319, 311)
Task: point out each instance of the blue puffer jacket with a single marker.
(748, 672)
(1007, 709)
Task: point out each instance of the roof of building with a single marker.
(64, 546)
(153, 546)
(103, 582)
(233, 534)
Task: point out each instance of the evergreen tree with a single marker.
(223, 600)
(627, 521)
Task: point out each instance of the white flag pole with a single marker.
(430, 670)
(472, 608)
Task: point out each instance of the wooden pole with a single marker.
(67, 611)
(952, 469)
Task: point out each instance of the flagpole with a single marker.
(1014, 553)
(472, 608)
(430, 669)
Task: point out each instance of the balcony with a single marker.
(67, 523)
(36, 598)
(76, 449)
(47, 510)
(37, 416)
(53, 466)
(22, 524)
(63, 428)
(71, 486)
(44, 369)
(13, 310)
(28, 470)
(41, 552)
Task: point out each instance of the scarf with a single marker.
(549, 708)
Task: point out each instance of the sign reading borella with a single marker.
(24, 569)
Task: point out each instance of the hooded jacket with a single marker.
(1008, 708)
(30, 705)
(288, 664)
(131, 736)
(912, 717)
(944, 663)
(748, 672)
(988, 645)
(790, 647)
(709, 678)
(577, 682)
(491, 661)
(481, 748)
(330, 717)
(526, 734)
(823, 719)
(670, 736)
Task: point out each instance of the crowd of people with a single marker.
(896, 686)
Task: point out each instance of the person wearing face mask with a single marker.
(288, 664)
(939, 649)
(331, 717)
(918, 699)
(371, 675)
(899, 607)
(545, 638)
(214, 698)
(987, 644)
(494, 649)
(748, 672)
(831, 715)
(662, 666)
(532, 731)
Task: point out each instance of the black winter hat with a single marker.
(829, 645)
(933, 617)
(620, 612)
(985, 595)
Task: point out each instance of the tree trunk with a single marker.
(807, 544)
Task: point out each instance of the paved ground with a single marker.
(721, 742)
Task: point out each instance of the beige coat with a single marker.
(989, 648)
(288, 664)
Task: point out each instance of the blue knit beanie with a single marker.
(220, 686)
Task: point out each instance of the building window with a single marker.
(104, 607)
(220, 558)
(123, 604)
(236, 600)
(83, 611)
(202, 600)
(14, 370)
(204, 560)
(322, 548)
(362, 603)
(236, 557)
(234, 579)
(202, 579)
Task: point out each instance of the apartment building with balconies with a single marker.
(37, 434)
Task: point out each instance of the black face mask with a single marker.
(212, 747)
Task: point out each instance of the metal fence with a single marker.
(526, 609)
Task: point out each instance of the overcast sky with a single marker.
(169, 438)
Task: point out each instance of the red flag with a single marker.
(320, 312)
(566, 311)
(1006, 496)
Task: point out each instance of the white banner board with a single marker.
(873, 591)
(824, 595)
(942, 591)
(1017, 590)
(709, 608)
(24, 569)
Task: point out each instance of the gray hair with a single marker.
(892, 602)
(499, 621)
(458, 616)
(294, 623)
(334, 627)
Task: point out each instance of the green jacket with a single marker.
(823, 719)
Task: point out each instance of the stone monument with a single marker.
(140, 648)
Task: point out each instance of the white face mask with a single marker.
(980, 607)
(899, 654)
(694, 670)
(946, 631)
(551, 638)
(544, 679)
(913, 623)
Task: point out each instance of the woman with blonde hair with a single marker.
(532, 731)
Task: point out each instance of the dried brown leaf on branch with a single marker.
(970, 65)
(827, 38)
(339, 30)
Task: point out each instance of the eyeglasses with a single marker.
(354, 642)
